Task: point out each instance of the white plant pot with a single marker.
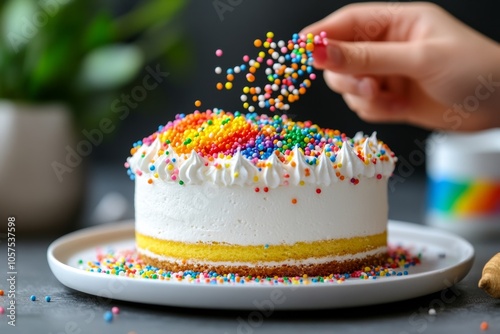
(32, 137)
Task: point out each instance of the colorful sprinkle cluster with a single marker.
(215, 133)
(288, 70)
(220, 134)
(127, 263)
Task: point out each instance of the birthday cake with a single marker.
(259, 195)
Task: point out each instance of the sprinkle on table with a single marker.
(484, 326)
(108, 316)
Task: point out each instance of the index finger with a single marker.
(358, 22)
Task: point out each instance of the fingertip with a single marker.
(335, 55)
(330, 55)
(311, 29)
(304, 31)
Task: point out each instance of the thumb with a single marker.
(360, 58)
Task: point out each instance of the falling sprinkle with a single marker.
(285, 65)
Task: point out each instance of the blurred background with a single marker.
(80, 81)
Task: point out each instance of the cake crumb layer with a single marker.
(323, 269)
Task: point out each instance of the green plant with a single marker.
(78, 51)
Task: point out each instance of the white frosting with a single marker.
(325, 174)
(242, 170)
(192, 170)
(368, 152)
(240, 215)
(272, 174)
(297, 169)
(351, 164)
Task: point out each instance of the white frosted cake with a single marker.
(259, 195)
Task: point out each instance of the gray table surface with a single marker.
(74, 312)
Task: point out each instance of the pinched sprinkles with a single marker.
(127, 263)
(288, 70)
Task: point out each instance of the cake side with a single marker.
(240, 215)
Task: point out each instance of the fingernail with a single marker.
(320, 54)
(365, 88)
(335, 55)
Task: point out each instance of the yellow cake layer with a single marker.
(217, 252)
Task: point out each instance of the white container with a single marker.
(32, 137)
(464, 183)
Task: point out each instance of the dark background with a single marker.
(204, 32)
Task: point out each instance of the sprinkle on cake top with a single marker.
(216, 137)
(218, 134)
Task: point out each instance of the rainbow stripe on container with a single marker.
(464, 199)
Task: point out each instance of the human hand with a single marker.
(411, 63)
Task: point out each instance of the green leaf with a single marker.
(110, 66)
(17, 23)
(47, 68)
(181, 54)
(99, 31)
(143, 17)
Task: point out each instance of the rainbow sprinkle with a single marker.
(219, 134)
(127, 263)
(288, 71)
(215, 132)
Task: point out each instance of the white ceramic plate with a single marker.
(446, 259)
